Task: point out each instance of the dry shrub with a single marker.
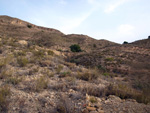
(41, 83)
(5, 73)
(65, 74)
(4, 93)
(125, 92)
(59, 68)
(90, 89)
(13, 80)
(5, 61)
(66, 106)
(50, 52)
(89, 75)
(92, 99)
(22, 61)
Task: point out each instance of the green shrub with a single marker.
(29, 26)
(75, 48)
(110, 59)
(125, 42)
(94, 45)
(106, 74)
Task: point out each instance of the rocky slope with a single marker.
(39, 73)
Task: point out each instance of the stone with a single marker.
(93, 112)
(85, 111)
(91, 108)
(100, 111)
(23, 42)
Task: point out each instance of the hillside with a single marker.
(40, 74)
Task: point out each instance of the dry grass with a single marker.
(41, 83)
(92, 99)
(89, 75)
(125, 92)
(22, 61)
(4, 93)
(14, 80)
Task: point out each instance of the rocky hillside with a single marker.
(39, 72)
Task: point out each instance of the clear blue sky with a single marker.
(114, 20)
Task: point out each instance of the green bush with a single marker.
(109, 59)
(75, 48)
(29, 26)
(94, 45)
(125, 42)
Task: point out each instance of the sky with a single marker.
(113, 20)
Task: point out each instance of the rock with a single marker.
(131, 100)
(107, 102)
(100, 111)
(23, 42)
(91, 108)
(71, 90)
(93, 112)
(85, 111)
(114, 98)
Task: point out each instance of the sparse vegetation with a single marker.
(40, 73)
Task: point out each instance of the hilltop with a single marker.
(40, 73)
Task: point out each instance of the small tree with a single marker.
(125, 42)
(75, 48)
(29, 26)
